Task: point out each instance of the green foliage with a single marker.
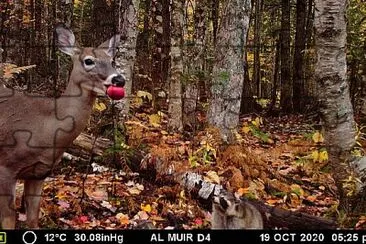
(254, 128)
(259, 134)
(206, 154)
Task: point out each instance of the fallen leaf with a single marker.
(147, 208)
(22, 217)
(311, 198)
(63, 204)
(123, 218)
(99, 106)
(142, 215)
(211, 176)
(317, 137)
(198, 221)
(83, 219)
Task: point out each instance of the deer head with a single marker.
(93, 70)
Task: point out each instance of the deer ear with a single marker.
(66, 40)
(110, 46)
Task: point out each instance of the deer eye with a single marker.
(89, 62)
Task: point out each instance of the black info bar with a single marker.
(180, 236)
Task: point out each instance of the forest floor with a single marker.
(279, 160)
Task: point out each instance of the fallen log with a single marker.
(152, 168)
(195, 184)
(89, 144)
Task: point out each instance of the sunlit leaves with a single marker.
(254, 128)
(318, 137)
(9, 70)
(147, 208)
(155, 120)
(206, 154)
(319, 156)
(99, 106)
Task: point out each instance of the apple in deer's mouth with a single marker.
(115, 92)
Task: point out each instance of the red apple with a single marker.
(115, 92)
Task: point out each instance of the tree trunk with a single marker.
(247, 100)
(194, 60)
(228, 73)
(142, 77)
(298, 67)
(335, 104)
(166, 41)
(159, 84)
(257, 48)
(275, 78)
(286, 84)
(126, 60)
(176, 72)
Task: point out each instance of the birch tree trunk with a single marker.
(228, 71)
(176, 72)
(335, 104)
(125, 61)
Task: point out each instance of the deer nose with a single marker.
(118, 80)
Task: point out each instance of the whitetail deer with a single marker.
(35, 131)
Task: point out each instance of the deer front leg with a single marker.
(32, 195)
(7, 200)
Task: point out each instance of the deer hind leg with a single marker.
(32, 197)
(7, 199)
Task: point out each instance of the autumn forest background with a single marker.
(263, 97)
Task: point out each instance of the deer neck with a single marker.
(76, 102)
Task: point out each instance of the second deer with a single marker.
(35, 131)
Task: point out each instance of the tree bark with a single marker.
(298, 67)
(286, 84)
(257, 48)
(228, 73)
(176, 72)
(125, 62)
(335, 104)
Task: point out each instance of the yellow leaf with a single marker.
(146, 208)
(99, 106)
(270, 141)
(212, 177)
(254, 122)
(257, 122)
(357, 153)
(123, 218)
(144, 94)
(138, 101)
(125, 146)
(318, 137)
(238, 137)
(182, 194)
(161, 114)
(245, 129)
(297, 189)
(323, 156)
(242, 191)
(61, 195)
(154, 120)
(315, 155)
